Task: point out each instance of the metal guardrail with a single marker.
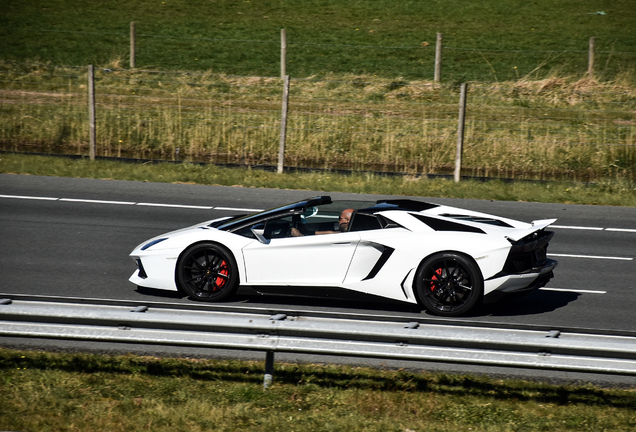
(374, 338)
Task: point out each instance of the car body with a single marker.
(444, 258)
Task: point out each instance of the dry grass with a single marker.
(552, 128)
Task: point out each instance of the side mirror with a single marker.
(259, 233)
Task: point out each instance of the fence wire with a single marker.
(307, 58)
(545, 129)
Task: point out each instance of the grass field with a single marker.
(483, 39)
(84, 392)
(362, 95)
(615, 193)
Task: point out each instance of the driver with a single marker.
(343, 225)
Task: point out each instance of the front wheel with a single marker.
(207, 272)
(449, 284)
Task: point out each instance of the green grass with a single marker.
(484, 39)
(85, 392)
(548, 129)
(362, 95)
(616, 193)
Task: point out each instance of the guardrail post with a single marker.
(269, 369)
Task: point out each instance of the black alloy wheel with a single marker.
(449, 284)
(207, 272)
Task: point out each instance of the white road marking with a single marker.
(96, 201)
(621, 230)
(578, 227)
(592, 257)
(131, 203)
(29, 197)
(175, 206)
(572, 227)
(237, 209)
(573, 290)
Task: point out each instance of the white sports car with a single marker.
(444, 258)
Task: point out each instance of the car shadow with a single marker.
(533, 303)
(160, 293)
(369, 303)
(247, 295)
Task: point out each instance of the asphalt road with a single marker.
(72, 237)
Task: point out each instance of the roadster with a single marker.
(445, 259)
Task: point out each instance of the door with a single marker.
(313, 260)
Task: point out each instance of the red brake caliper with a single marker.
(438, 272)
(219, 282)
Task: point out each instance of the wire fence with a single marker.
(544, 129)
(262, 57)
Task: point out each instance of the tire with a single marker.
(207, 272)
(449, 284)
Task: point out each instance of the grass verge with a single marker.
(615, 193)
(81, 392)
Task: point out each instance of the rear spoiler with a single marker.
(537, 225)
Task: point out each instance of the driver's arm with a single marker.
(299, 231)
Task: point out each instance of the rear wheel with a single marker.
(449, 284)
(207, 272)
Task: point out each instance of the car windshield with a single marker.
(242, 220)
(331, 212)
(308, 213)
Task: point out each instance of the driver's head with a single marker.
(345, 218)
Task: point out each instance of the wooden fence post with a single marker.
(460, 132)
(590, 58)
(91, 111)
(283, 53)
(438, 57)
(132, 45)
(283, 126)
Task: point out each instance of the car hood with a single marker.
(176, 233)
